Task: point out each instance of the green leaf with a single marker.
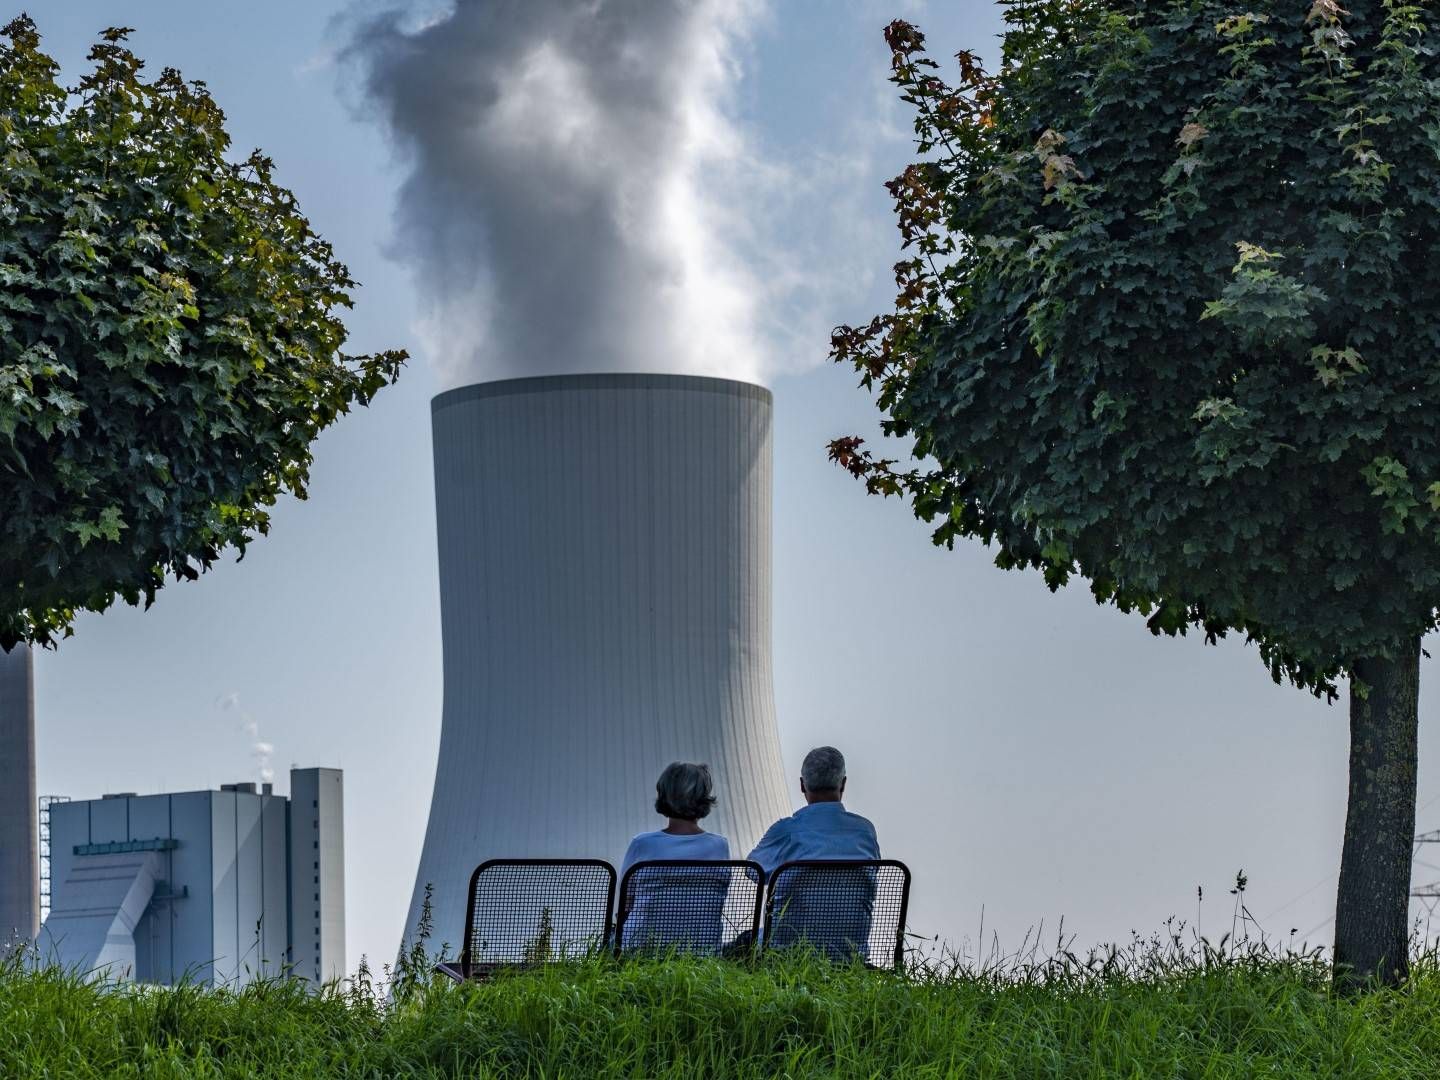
(172, 342)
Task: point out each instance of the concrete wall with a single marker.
(191, 919)
(274, 884)
(244, 853)
(317, 873)
(150, 817)
(604, 548)
(19, 826)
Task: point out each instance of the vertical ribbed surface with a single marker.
(19, 840)
(604, 545)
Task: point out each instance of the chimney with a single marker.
(19, 824)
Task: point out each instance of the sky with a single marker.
(1032, 756)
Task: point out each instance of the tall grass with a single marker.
(1156, 1008)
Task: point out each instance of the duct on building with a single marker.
(604, 553)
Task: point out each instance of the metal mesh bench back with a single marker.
(842, 908)
(537, 911)
(685, 905)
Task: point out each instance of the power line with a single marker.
(1428, 894)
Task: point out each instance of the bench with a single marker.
(680, 905)
(842, 908)
(524, 913)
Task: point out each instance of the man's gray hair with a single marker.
(684, 791)
(823, 770)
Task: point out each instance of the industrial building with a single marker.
(604, 556)
(215, 887)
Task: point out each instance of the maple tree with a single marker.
(169, 343)
(1169, 322)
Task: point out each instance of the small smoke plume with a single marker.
(262, 752)
(577, 194)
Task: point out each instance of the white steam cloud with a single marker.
(260, 751)
(578, 197)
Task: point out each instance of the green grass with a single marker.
(1135, 1015)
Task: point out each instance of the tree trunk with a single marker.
(1372, 909)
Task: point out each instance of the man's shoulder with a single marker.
(865, 828)
(783, 826)
(859, 819)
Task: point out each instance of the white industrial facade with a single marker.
(604, 550)
(205, 886)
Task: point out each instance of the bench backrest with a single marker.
(526, 912)
(843, 908)
(684, 905)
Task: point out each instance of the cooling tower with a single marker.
(604, 546)
(19, 867)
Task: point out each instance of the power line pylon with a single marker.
(1428, 894)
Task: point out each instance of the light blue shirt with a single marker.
(663, 845)
(682, 908)
(823, 830)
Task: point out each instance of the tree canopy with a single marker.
(169, 339)
(1170, 315)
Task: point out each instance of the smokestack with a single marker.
(19, 841)
(604, 548)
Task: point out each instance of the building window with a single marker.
(317, 845)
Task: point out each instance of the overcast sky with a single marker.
(1029, 754)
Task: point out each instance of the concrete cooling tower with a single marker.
(604, 545)
(19, 839)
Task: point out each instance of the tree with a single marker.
(169, 347)
(1169, 321)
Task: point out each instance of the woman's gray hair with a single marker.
(823, 770)
(684, 791)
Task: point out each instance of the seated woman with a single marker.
(676, 907)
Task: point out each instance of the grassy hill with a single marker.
(1134, 1014)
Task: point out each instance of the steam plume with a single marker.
(263, 752)
(575, 185)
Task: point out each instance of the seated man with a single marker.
(829, 910)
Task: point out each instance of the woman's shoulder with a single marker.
(718, 843)
(713, 845)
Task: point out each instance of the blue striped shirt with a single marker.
(822, 830)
